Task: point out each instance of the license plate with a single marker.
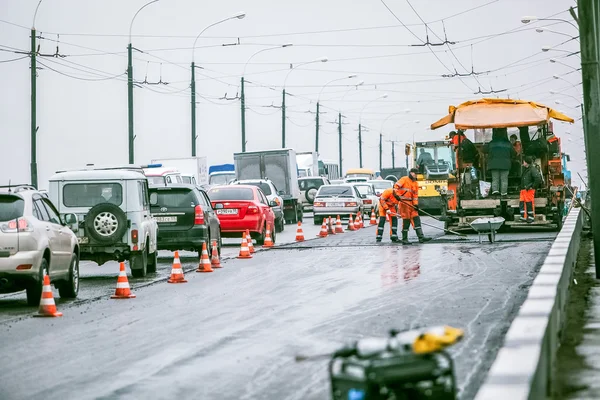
(335, 204)
(227, 211)
(83, 240)
(166, 219)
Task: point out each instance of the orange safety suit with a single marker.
(388, 201)
(408, 191)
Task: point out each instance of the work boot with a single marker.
(422, 238)
(405, 241)
(530, 220)
(395, 239)
(378, 240)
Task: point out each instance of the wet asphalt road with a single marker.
(233, 334)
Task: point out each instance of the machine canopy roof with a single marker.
(499, 113)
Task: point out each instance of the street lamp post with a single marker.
(360, 163)
(322, 59)
(528, 19)
(193, 83)
(130, 85)
(543, 29)
(381, 134)
(555, 61)
(243, 94)
(318, 104)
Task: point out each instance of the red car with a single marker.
(243, 207)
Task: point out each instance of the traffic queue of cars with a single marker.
(129, 213)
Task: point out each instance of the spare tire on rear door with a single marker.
(310, 194)
(106, 223)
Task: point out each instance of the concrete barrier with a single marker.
(524, 366)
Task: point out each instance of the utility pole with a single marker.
(393, 155)
(130, 101)
(317, 131)
(34, 179)
(283, 121)
(340, 140)
(243, 103)
(380, 152)
(193, 89)
(589, 16)
(360, 145)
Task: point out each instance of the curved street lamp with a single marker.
(528, 19)
(322, 59)
(243, 93)
(130, 83)
(318, 106)
(240, 15)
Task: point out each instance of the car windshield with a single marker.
(187, 179)
(231, 193)
(11, 207)
(364, 189)
(331, 190)
(262, 185)
(90, 194)
(382, 184)
(175, 198)
(221, 179)
(306, 184)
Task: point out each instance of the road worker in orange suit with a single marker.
(388, 206)
(407, 189)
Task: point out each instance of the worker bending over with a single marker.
(388, 203)
(408, 190)
(530, 180)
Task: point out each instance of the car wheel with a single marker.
(260, 238)
(317, 220)
(273, 236)
(152, 262)
(138, 262)
(70, 288)
(34, 289)
(279, 225)
(300, 214)
(106, 223)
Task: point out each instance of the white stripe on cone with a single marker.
(122, 285)
(47, 302)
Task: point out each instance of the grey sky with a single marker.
(83, 121)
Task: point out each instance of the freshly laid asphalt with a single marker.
(233, 333)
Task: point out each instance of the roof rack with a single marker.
(92, 167)
(19, 187)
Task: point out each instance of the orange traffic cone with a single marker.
(299, 233)
(176, 270)
(204, 265)
(214, 259)
(47, 305)
(250, 243)
(351, 226)
(244, 250)
(330, 226)
(357, 224)
(268, 241)
(323, 232)
(338, 225)
(373, 218)
(122, 291)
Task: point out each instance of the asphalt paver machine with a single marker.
(531, 122)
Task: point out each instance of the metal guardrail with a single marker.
(524, 366)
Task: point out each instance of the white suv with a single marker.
(113, 212)
(309, 185)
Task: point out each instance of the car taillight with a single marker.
(351, 204)
(17, 225)
(367, 201)
(318, 204)
(252, 210)
(134, 236)
(198, 215)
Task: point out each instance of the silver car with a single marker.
(370, 199)
(334, 200)
(34, 239)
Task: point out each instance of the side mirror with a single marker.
(273, 203)
(71, 221)
(153, 199)
(281, 193)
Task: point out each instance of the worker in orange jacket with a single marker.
(407, 189)
(388, 207)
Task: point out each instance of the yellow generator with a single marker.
(436, 163)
